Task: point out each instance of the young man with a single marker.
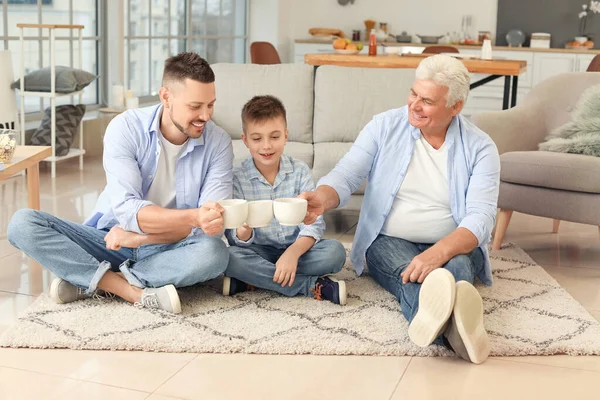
(156, 221)
(288, 259)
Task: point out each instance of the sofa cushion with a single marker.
(301, 151)
(572, 172)
(68, 118)
(327, 156)
(67, 80)
(291, 83)
(347, 98)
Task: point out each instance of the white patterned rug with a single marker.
(526, 313)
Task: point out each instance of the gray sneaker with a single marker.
(164, 298)
(63, 292)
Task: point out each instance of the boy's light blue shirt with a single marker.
(204, 170)
(293, 178)
(382, 153)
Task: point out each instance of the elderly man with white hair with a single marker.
(429, 207)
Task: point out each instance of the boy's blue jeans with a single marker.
(78, 254)
(255, 265)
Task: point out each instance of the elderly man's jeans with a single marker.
(388, 256)
(78, 254)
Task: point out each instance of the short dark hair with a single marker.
(187, 65)
(261, 109)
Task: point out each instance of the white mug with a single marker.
(236, 212)
(290, 211)
(260, 213)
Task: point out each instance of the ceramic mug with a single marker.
(290, 211)
(260, 213)
(236, 212)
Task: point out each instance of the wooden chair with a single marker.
(594, 65)
(263, 53)
(440, 49)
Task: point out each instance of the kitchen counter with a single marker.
(458, 46)
(494, 67)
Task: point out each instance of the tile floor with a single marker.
(572, 256)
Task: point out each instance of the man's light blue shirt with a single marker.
(204, 170)
(382, 153)
(293, 178)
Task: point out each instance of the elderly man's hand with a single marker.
(421, 266)
(315, 206)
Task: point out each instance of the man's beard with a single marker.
(179, 126)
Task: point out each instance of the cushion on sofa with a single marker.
(347, 98)
(291, 83)
(572, 172)
(68, 80)
(68, 118)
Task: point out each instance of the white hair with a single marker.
(446, 71)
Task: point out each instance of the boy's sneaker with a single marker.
(233, 286)
(164, 298)
(63, 292)
(436, 303)
(330, 289)
(466, 333)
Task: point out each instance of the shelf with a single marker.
(72, 153)
(50, 26)
(48, 94)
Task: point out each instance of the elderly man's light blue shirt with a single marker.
(204, 170)
(382, 153)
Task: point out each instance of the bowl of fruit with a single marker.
(346, 46)
(580, 45)
(8, 141)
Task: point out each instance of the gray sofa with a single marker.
(325, 112)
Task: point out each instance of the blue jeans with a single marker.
(388, 256)
(255, 265)
(78, 254)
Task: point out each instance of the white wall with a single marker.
(426, 17)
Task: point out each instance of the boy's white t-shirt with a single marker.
(421, 210)
(162, 188)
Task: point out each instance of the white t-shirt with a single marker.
(421, 210)
(162, 188)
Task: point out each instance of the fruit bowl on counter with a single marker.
(346, 46)
(345, 51)
(8, 142)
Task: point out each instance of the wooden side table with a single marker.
(28, 158)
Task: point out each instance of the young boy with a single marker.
(290, 260)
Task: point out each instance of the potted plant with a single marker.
(588, 10)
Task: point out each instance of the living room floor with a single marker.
(572, 257)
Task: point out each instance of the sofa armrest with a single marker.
(517, 129)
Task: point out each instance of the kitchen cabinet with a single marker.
(547, 65)
(583, 62)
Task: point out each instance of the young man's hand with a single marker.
(118, 237)
(285, 269)
(244, 233)
(210, 218)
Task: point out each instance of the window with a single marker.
(36, 49)
(132, 70)
(215, 29)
